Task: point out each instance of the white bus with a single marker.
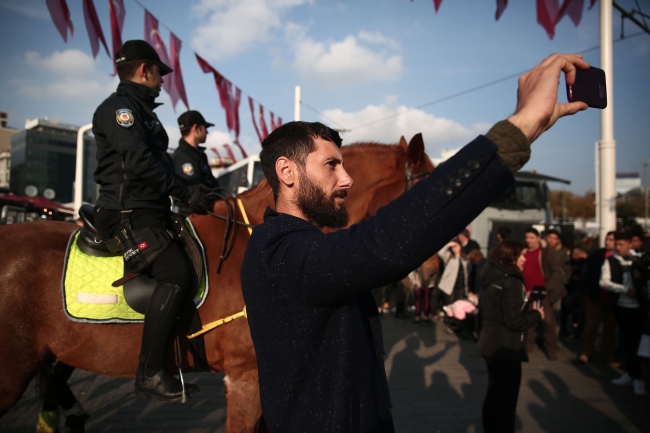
(525, 204)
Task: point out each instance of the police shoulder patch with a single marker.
(188, 169)
(124, 117)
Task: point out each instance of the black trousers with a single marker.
(500, 405)
(631, 322)
(174, 276)
(172, 266)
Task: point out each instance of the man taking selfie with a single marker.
(313, 320)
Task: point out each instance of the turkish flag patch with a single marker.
(143, 246)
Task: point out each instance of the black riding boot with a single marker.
(160, 319)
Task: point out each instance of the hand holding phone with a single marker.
(589, 87)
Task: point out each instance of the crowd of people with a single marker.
(556, 290)
(585, 291)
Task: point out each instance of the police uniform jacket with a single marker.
(314, 323)
(191, 165)
(134, 169)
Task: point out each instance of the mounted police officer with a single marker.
(136, 177)
(190, 160)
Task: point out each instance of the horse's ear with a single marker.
(415, 151)
(402, 142)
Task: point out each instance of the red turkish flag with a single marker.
(177, 76)
(236, 126)
(252, 105)
(573, 8)
(436, 4)
(94, 28)
(265, 131)
(214, 149)
(229, 103)
(229, 151)
(152, 35)
(546, 15)
(61, 16)
(117, 13)
(501, 6)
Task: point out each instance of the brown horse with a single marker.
(34, 328)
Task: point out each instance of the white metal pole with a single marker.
(79, 171)
(645, 193)
(607, 146)
(296, 106)
(597, 198)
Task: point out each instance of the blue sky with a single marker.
(356, 61)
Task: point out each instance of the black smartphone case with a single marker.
(589, 87)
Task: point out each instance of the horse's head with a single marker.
(382, 172)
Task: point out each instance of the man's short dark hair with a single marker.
(532, 230)
(611, 233)
(126, 69)
(465, 233)
(553, 232)
(504, 232)
(623, 236)
(293, 140)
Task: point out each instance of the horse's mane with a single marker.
(359, 144)
(370, 146)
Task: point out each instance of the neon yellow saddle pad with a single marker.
(88, 295)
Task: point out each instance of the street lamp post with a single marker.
(79, 171)
(645, 193)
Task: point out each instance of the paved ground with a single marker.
(437, 383)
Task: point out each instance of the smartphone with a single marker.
(588, 87)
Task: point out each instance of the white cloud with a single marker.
(378, 38)
(73, 76)
(344, 63)
(229, 27)
(438, 133)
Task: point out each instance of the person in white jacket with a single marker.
(631, 309)
(453, 282)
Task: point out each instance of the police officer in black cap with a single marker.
(136, 177)
(190, 160)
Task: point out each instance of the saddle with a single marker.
(137, 288)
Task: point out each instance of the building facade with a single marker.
(5, 145)
(625, 182)
(43, 155)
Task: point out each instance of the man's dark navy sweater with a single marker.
(314, 323)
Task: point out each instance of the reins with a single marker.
(231, 220)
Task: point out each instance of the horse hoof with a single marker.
(48, 422)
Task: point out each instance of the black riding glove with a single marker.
(199, 201)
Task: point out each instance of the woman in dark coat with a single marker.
(505, 320)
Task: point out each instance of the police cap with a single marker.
(141, 50)
(191, 118)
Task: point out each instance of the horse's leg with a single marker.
(15, 371)
(243, 397)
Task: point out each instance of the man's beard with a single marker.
(320, 209)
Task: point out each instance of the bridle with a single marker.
(410, 177)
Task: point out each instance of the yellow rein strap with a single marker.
(217, 323)
(211, 326)
(243, 214)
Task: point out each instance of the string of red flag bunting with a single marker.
(549, 12)
(229, 95)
